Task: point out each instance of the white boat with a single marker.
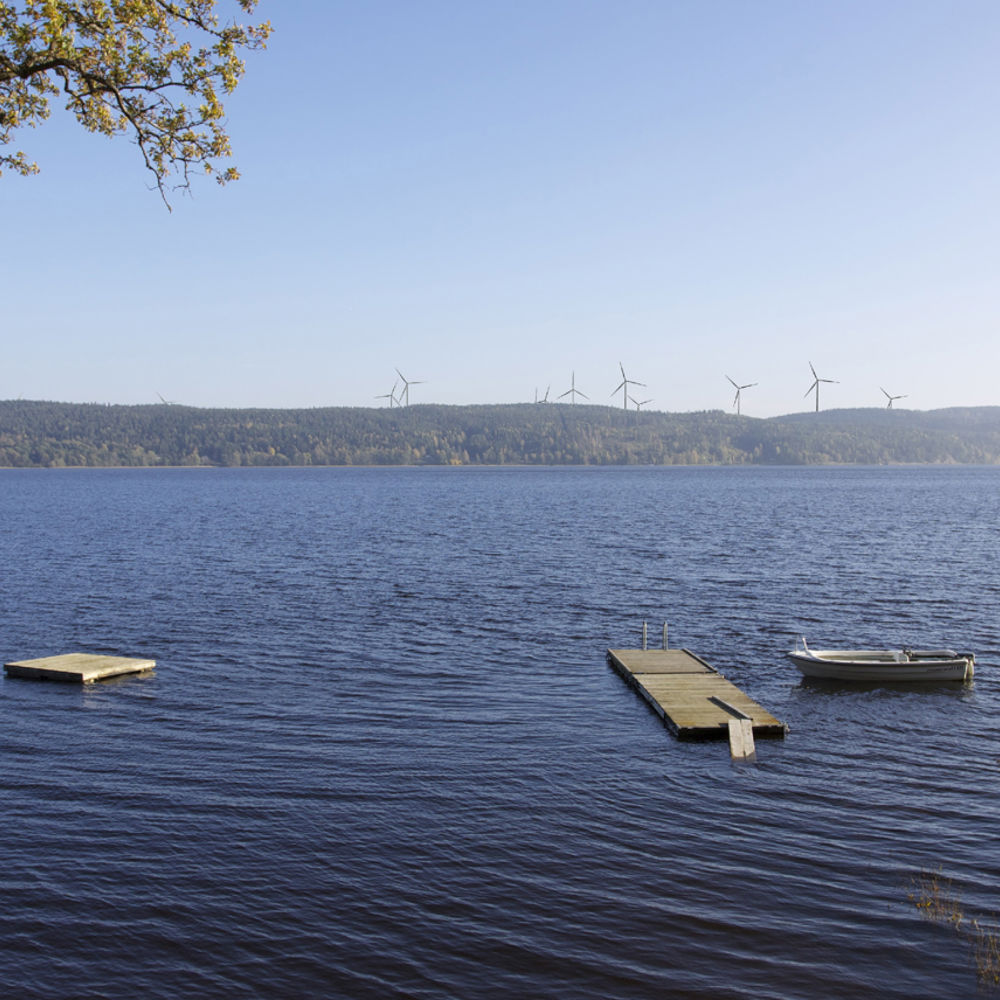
(883, 664)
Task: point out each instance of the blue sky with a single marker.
(491, 197)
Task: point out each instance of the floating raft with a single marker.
(80, 668)
(694, 700)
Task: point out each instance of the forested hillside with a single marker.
(43, 434)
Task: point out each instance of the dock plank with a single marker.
(80, 668)
(741, 745)
(694, 700)
(660, 661)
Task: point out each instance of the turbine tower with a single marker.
(404, 396)
(572, 391)
(891, 398)
(815, 385)
(739, 389)
(624, 384)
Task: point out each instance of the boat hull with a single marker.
(877, 665)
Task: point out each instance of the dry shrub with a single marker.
(986, 947)
(936, 898)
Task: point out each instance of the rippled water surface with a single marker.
(382, 754)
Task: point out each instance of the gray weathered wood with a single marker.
(80, 668)
(692, 698)
(726, 707)
(741, 745)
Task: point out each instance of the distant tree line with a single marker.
(45, 434)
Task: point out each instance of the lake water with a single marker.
(382, 754)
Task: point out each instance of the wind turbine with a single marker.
(815, 385)
(391, 396)
(573, 392)
(891, 398)
(168, 402)
(639, 403)
(404, 396)
(739, 389)
(624, 384)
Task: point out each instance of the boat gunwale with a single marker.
(880, 657)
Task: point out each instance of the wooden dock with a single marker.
(81, 668)
(694, 700)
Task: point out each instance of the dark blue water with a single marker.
(382, 754)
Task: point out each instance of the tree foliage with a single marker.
(154, 70)
(89, 434)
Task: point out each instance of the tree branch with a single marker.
(117, 76)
